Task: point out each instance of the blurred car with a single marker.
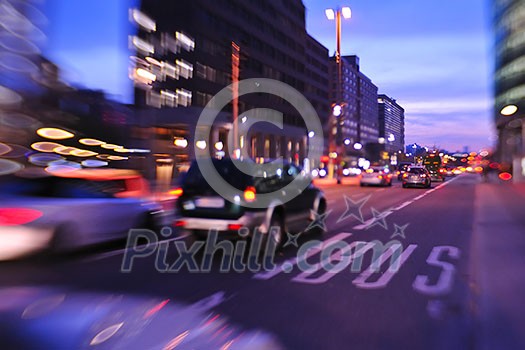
(402, 168)
(379, 176)
(416, 176)
(201, 208)
(58, 318)
(73, 209)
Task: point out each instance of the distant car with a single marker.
(378, 176)
(416, 176)
(73, 210)
(201, 208)
(402, 168)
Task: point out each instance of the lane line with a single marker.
(290, 263)
(124, 250)
(370, 221)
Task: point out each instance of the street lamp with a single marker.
(336, 14)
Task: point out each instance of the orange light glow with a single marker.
(249, 194)
(46, 147)
(177, 192)
(54, 133)
(478, 169)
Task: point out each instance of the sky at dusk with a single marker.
(433, 56)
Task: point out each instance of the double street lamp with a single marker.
(334, 143)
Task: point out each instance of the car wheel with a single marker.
(320, 211)
(275, 235)
(362, 184)
(405, 186)
(390, 183)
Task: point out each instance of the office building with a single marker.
(391, 124)
(509, 83)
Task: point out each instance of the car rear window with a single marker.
(416, 170)
(226, 169)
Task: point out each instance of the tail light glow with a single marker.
(18, 216)
(179, 223)
(234, 227)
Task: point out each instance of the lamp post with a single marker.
(334, 143)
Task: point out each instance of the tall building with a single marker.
(271, 41)
(391, 124)
(509, 81)
(358, 123)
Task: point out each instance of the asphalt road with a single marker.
(425, 304)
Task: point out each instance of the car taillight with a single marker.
(234, 227)
(179, 223)
(176, 192)
(405, 175)
(18, 216)
(249, 194)
(379, 177)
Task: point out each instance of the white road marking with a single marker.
(403, 205)
(122, 251)
(370, 221)
(266, 275)
(360, 281)
(303, 277)
(444, 283)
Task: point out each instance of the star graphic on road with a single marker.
(318, 221)
(378, 219)
(292, 239)
(353, 208)
(399, 231)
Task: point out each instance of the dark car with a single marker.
(202, 209)
(416, 176)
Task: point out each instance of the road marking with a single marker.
(360, 281)
(266, 275)
(403, 205)
(444, 283)
(370, 221)
(124, 250)
(304, 277)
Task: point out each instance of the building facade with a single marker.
(358, 123)
(270, 41)
(509, 82)
(391, 124)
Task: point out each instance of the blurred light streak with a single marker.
(47, 147)
(9, 167)
(106, 334)
(142, 20)
(91, 142)
(83, 153)
(18, 216)
(8, 97)
(54, 133)
(176, 341)
(156, 308)
(43, 306)
(4, 149)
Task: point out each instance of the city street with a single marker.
(436, 300)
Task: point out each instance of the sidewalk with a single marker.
(351, 181)
(498, 266)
